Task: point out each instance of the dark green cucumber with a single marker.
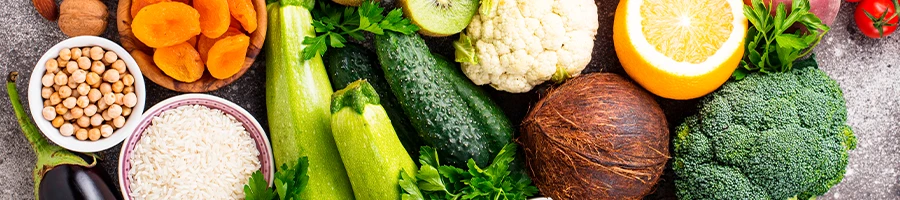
(450, 112)
(354, 62)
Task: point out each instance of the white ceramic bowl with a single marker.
(250, 125)
(36, 102)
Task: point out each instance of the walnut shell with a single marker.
(82, 17)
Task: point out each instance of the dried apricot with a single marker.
(227, 56)
(204, 43)
(166, 24)
(193, 41)
(137, 5)
(214, 17)
(243, 11)
(181, 62)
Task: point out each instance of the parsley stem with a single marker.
(810, 49)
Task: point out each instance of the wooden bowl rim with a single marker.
(207, 82)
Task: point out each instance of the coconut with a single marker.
(597, 136)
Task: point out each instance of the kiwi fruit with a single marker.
(439, 18)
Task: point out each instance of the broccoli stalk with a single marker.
(768, 136)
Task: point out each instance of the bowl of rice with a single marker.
(193, 146)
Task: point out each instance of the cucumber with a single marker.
(369, 147)
(298, 99)
(355, 62)
(444, 107)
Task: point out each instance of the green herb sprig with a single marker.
(289, 182)
(435, 181)
(333, 22)
(770, 48)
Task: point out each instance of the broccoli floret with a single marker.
(768, 136)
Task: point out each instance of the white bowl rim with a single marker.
(121, 177)
(36, 102)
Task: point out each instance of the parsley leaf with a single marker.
(436, 181)
(333, 23)
(770, 46)
(290, 181)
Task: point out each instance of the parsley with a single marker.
(333, 22)
(289, 182)
(435, 181)
(770, 48)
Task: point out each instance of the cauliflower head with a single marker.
(515, 45)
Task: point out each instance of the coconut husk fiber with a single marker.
(597, 136)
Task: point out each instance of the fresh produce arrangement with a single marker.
(355, 94)
(84, 99)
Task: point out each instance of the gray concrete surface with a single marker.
(867, 70)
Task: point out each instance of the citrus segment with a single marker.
(680, 49)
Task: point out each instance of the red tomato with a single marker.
(883, 19)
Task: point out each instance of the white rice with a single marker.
(192, 152)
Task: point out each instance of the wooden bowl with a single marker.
(207, 82)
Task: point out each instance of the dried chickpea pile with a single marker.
(87, 92)
(189, 39)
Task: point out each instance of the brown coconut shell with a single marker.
(597, 136)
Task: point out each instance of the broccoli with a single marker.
(768, 136)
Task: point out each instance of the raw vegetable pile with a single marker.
(355, 97)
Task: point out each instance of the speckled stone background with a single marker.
(867, 70)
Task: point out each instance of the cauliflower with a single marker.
(515, 45)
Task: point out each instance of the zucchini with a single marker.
(444, 107)
(354, 62)
(298, 99)
(369, 147)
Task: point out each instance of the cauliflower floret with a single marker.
(523, 43)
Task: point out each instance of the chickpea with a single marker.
(52, 66)
(83, 89)
(114, 111)
(65, 54)
(83, 121)
(106, 130)
(96, 53)
(68, 116)
(119, 121)
(57, 122)
(77, 128)
(105, 115)
(128, 79)
(84, 63)
(67, 129)
(101, 105)
(90, 110)
(46, 92)
(85, 51)
(119, 99)
(109, 98)
(54, 98)
(79, 76)
(128, 89)
(47, 80)
(96, 120)
(81, 134)
(94, 134)
(76, 112)
(110, 57)
(105, 88)
(119, 66)
(76, 53)
(61, 62)
(118, 86)
(70, 102)
(65, 92)
(60, 78)
(94, 95)
(49, 113)
(130, 100)
(82, 102)
(92, 78)
(71, 83)
(98, 67)
(71, 66)
(126, 111)
(60, 109)
(47, 103)
(111, 76)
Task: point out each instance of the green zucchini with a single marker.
(298, 99)
(448, 110)
(354, 62)
(369, 147)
